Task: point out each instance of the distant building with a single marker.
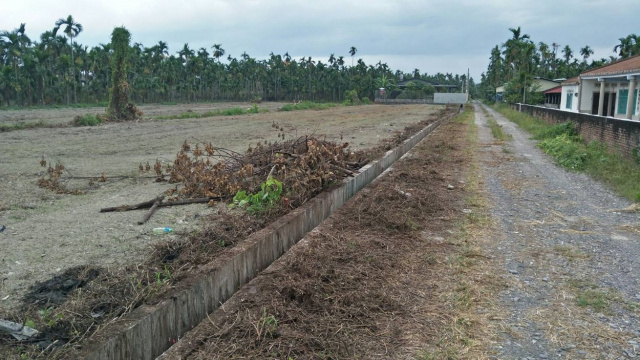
(541, 84)
(538, 85)
(552, 97)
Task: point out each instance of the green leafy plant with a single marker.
(30, 323)
(266, 325)
(253, 109)
(163, 276)
(265, 199)
(87, 120)
(568, 152)
(351, 97)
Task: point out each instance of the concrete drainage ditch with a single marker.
(150, 330)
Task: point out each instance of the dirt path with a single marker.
(47, 233)
(570, 262)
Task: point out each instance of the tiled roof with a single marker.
(625, 66)
(572, 81)
(555, 90)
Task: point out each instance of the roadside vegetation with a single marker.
(562, 142)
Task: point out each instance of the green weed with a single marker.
(307, 105)
(496, 130)
(87, 120)
(23, 126)
(261, 201)
(225, 112)
(163, 276)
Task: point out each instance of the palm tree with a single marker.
(352, 52)
(513, 50)
(71, 29)
(586, 52)
(568, 54)
(15, 43)
(629, 46)
(218, 51)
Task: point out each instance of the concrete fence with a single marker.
(151, 329)
(620, 134)
(437, 98)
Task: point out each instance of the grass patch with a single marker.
(23, 126)
(620, 173)
(224, 112)
(87, 120)
(588, 295)
(496, 130)
(570, 252)
(307, 105)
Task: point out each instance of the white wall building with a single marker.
(611, 90)
(569, 96)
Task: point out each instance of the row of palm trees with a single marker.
(519, 59)
(57, 70)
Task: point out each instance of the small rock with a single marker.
(545, 279)
(515, 272)
(450, 187)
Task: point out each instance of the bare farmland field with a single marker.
(48, 233)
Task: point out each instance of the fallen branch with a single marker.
(194, 201)
(343, 170)
(150, 203)
(142, 205)
(152, 210)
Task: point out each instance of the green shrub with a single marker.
(253, 109)
(366, 101)
(556, 130)
(351, 97)
(232, 112)
(87, 120)
(567, 151)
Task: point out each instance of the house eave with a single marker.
(617, 74)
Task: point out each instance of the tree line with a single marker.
(56, 69)
(519, 59)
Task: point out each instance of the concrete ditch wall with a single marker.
(150, 330)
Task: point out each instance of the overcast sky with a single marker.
(433, 36)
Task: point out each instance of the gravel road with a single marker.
(568, 256)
